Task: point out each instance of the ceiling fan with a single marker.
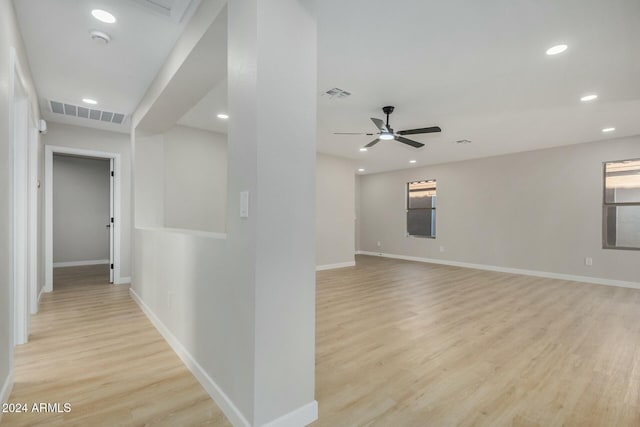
(387, 133)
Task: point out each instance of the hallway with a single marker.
(91, 346)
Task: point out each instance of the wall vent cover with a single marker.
(175, 10)
(336, 92)
(86, 113)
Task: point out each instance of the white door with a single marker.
(111, 224)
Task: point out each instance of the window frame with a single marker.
(407, 209)
(606, 205)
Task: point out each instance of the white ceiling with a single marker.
(477, 69)
(68, 66)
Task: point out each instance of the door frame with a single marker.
(34, 213)
(49, 151)
(20, 119)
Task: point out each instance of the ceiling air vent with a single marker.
(175, 10)
(87, 113)
(336, 92)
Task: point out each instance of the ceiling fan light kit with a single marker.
(387, 133)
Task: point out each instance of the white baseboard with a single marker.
(302, 416)
(5, 392)
(535, 273)
(123, 281)
(338, 265)
(80, 263)
(222, 400)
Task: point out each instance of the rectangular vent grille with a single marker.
(87, 113)
(175, 10)
(336, 92)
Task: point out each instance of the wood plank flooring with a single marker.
(399, 344)
(93, 347)
(409, 344)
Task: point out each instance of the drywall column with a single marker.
(272, 143)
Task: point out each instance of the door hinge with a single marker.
(112, 266)
(111, 220)
(112, 173)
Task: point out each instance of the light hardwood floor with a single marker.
(93, 347)
(408, 344)
(399, 344)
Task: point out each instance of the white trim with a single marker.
(197, 233)
(19, 110)
(535, 273)
(123, 281)
(302, 416)
(112, 230)
(49, 150)
(5, 392)
(40, 295)
(222, 400)
(334, 266)
(34, 209)
(80, 263)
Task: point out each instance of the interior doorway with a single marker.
(82, 210)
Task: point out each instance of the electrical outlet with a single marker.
(379, 244)
(441, 248)
(588, 261)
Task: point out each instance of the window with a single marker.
(421, 208)
(621, 205)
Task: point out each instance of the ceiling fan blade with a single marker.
(353, 133)
(380, 124)
(432, 129)
(372, 143)
(409, 142)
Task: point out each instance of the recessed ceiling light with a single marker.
(89, 101)
(607, 130)
(559, 48)
(103, 16)
(588, 98)
(361, 170)
(363, 149)
(223, 116)
(412, 161)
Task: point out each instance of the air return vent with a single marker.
(175, 10)
(336, 92)
(87, 113)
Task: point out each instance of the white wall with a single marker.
(181, 180)
(114, 142)
(9, 37)
(181, 183)
(195, 184)
(149, 180)
(81, 193)
(335, 210)
(242, 305)
(539, 210)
